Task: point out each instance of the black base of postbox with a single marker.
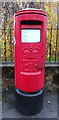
(29, 103)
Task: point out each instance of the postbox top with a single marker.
(30, 11)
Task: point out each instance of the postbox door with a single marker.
(30, 58)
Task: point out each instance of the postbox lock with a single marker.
(41, 56)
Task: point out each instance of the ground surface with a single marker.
(9, 110)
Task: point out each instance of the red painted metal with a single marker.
(29, 57)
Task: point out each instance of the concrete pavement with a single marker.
(9, 110)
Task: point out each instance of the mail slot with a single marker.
(29, 57)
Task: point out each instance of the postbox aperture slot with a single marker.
(29, 22)
(31, 31)
(30, 35)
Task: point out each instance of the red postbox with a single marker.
(29, 47)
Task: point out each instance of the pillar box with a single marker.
(29, 57)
